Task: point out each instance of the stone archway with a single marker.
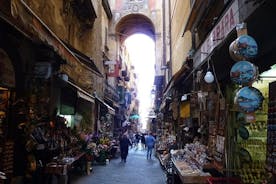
(134, 23)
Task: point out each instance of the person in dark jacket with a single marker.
(143, 141)
(124, 145)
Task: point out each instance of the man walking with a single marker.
(150, 142)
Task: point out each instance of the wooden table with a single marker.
(61, 168)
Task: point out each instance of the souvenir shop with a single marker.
(46, 119)
(223, 126)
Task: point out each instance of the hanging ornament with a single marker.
(243, 73)
(249, 99)
(209, 77)
(243, 48)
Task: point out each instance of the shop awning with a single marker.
(110, 109)
(85, 97)
(82, 93)
(175, 79)
(85, 59)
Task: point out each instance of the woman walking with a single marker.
(124, 145)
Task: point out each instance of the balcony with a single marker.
(85, 11)
(111, 93)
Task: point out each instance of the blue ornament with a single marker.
(243, 48)
(249, 99)
(243, 73)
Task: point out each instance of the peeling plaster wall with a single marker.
(59, 16)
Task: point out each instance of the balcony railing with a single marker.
(111, 93)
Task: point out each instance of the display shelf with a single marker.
(190, 174)
(189, 163)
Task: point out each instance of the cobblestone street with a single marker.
(137, 170)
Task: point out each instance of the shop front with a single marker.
(39, 110)
(229, 142)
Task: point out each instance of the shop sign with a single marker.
(113, 69)
(226, 24)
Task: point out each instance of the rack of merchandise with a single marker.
(189, 163)
(271, 131)
(6, 146)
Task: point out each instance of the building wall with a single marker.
(151, 9)
(60, 17)
(181, 44)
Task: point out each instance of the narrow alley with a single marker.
(192, 80)
(136, 170)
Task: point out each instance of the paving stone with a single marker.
(136, 170)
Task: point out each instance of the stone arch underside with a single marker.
(134, 23)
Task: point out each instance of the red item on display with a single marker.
(213, 180)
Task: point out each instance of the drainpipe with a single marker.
(170, 38)
(164, 38)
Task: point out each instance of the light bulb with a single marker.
(209, 77)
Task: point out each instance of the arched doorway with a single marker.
(127, 28)
(134, 23)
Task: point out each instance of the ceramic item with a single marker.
(243, 73)
(243, 132)
(244, 156)
(244, 47)
(249, 99)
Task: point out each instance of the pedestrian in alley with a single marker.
(143, 141)
(150, 142)
(124, 145)
(136, 140)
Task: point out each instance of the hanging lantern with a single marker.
(243, 73)
(249, 99)
(209, 77)
(243, 48)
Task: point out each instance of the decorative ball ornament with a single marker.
(249, 99)
(209, 77)
(243, 73)
(243, 48)
(232, 51)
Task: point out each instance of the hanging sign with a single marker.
(224, 26)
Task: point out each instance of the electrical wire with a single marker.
(216, 79)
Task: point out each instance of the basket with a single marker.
(225, 180)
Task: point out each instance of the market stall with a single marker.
(189, 163)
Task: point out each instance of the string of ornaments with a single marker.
(243, 50)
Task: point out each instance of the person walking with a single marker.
(124, 145)
(143, 141)
(150, 142)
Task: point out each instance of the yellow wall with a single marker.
(180, 44)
